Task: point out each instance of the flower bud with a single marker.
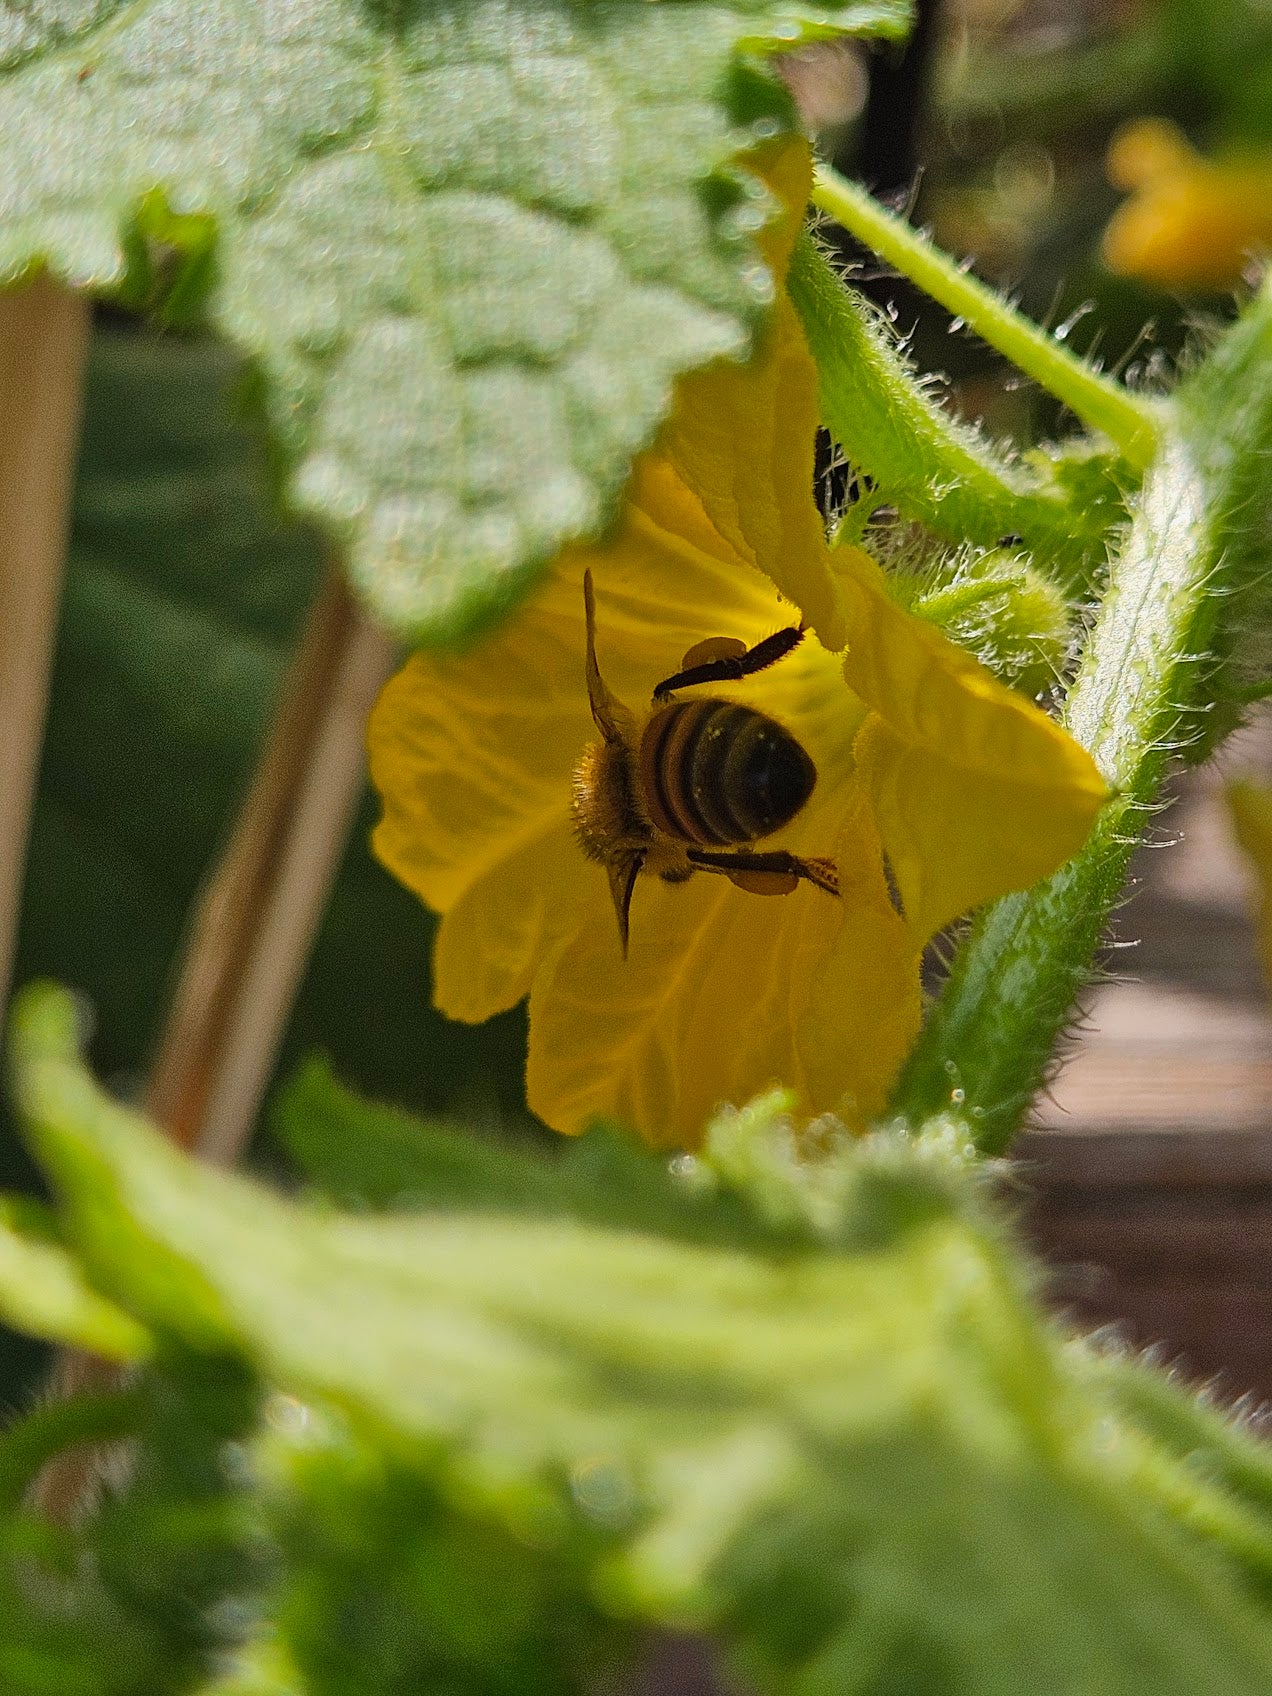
(1002, 609)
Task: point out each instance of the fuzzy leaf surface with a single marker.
(470, 244)
(853, 1448)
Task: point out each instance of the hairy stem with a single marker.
(1196, 545)
(54, 1456)
(929, 465)
(43, 347)
(1097, 400)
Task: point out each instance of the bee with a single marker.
(691, 786)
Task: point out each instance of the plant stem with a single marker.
(1097, 400)
(932, 467)
(44, 332)
(256, 919)
(1143, 691)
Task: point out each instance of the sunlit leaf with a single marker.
(470, 244)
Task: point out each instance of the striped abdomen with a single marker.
(714, 773)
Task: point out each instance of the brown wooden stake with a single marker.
(255, 921)
(44, 333)
(252, 931)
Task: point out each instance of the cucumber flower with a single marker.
(935, 787)
(1189, 223)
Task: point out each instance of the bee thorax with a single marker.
(606, 818)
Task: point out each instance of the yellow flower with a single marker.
(919, 754)
(1190, 223)
(1250, 806)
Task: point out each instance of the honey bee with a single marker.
(694, 783)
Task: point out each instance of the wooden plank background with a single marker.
(1146, 1181)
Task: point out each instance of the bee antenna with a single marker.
(607, 712)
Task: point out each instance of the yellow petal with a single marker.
(1145, 150)
(490, 942)
(740, 439)
(1251, 807)
(723, 993)
(472, 754)
(864, 1006)
(975, 790)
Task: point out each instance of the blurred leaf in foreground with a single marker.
(43, 1292)
(837, 1431)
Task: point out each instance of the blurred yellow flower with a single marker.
(1190, 223)
(1250, 806)
(920, 755)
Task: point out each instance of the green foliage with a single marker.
(151, 1591)
(470, 244)
(808, 1403)
(997, 605)
(427, 1596)
(1193, 558)
(1131, 423)
(42, 1290)
(1226, 415)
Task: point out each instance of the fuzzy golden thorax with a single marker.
(607, 815)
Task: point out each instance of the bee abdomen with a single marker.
(715, 773)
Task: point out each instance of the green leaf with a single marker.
(858, 1453)
(144, 1594)
(469, 243)
(260, 1668)
(366, 1155)
(386, 1589)
(1227, 412)
(55, 1425)
(44, 1293)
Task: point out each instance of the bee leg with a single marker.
(623, 873)
(775, 873)
(729, 660)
